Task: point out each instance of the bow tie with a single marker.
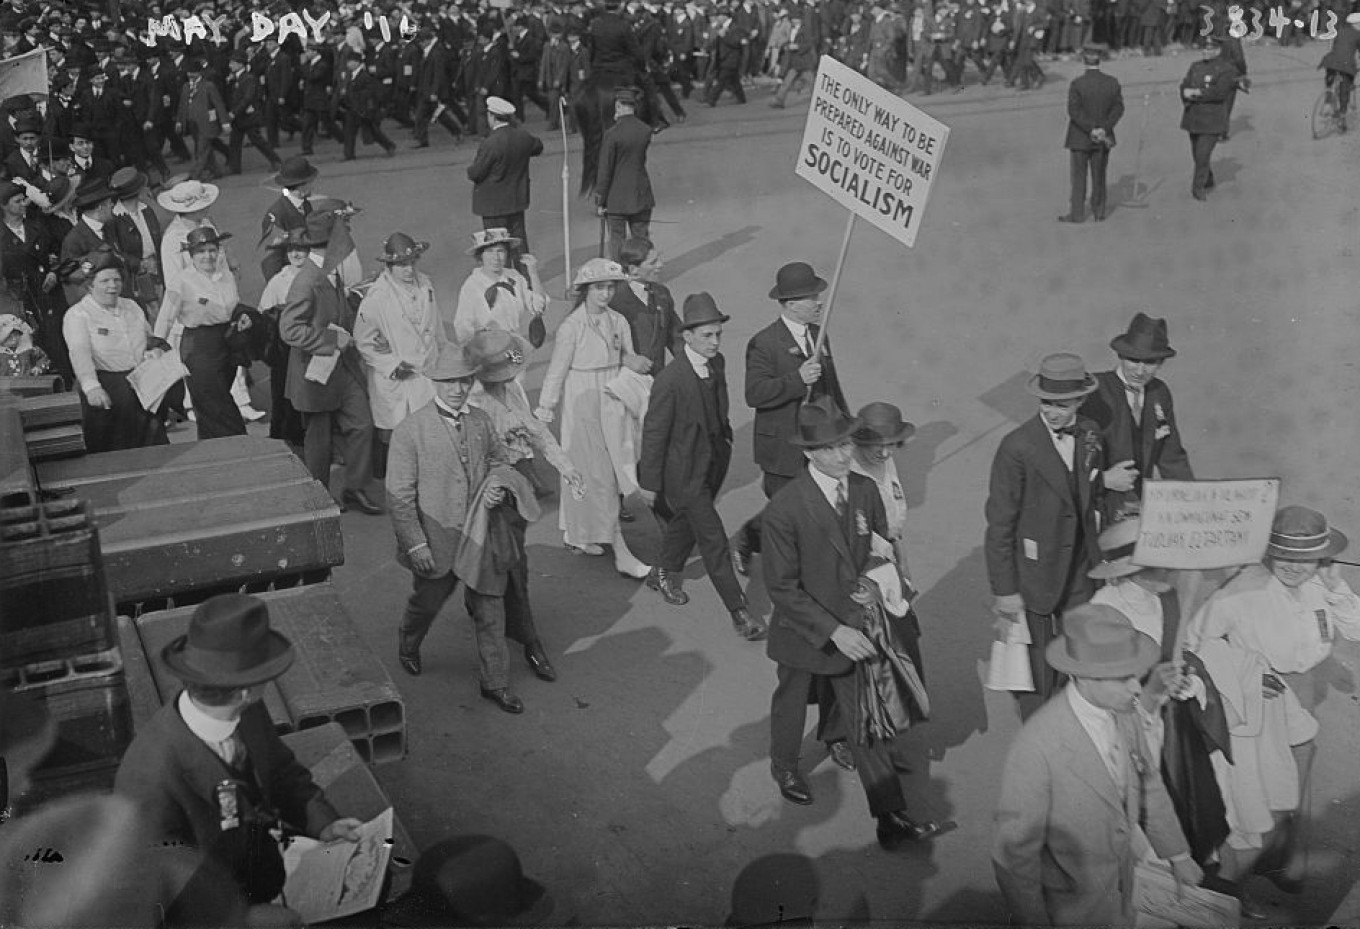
(1065, 430)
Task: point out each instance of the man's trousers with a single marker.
(1095, 161)
(428, 596)
(355, 424)
(695, 520)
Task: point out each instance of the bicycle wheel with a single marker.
(1324, 114)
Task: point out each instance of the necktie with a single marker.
(1135, 401)
(233, 749)
(306, 207)
(840, 498)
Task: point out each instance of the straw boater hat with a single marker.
(1301, 534)
(229, 644)
(188, 197)
(700, 310)
(500, 107)
(201, 237)
(1145, 341)
(821, 424)
(499, 355)
(453, 364)
(1116, 550)
(796, 280)
(400, 248)
(1062, 376)
(597, 270)
(1098, 641)
(486, 238)
(882, 424)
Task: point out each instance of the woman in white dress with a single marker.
(592, 345)
(496, 296)
(398, 332)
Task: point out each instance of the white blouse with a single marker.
(101, 339)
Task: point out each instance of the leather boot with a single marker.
(660, 580)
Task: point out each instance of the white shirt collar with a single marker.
(210, 730)
(1099, 724)
(797, 329)
(825, 483)
(93, 223)
(294, 198)
(699, 361)
(1129, 388)
(456, 414)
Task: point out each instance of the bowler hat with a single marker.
(1146, 340)
(700, 310)
(473, 880)
(202, 237)
(499, 106)
(821, 423)
(486, 238)
(1098, 641)
(498, 355)
(125, 182)
(1301, 534)
(196, 66)
(82, 131)
(401, 248)
(93, 192)
(1117, 542)
(795, 280)
(453, 364)
(295, 172)
(28, 123)
(882, 424)
(229, 644)
(1062, 376)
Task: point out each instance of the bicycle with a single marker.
(1326, 116)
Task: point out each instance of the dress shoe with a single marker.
(660, 580)
(504, 699)
(362, 502)
(841, 754)
(539, 663)
(746, 627)
(410, 664)
(896, 828)
(1069, 219)
(792, 787)
(590, 548)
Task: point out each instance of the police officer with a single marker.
(1205, 92)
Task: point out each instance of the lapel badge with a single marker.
(861, 523)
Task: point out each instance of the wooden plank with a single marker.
(144, 697)
(16, 474)
(119, 494)
(47, 442)
(49, 410)
(140, 462)
(31, 386)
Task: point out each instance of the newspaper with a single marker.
(320, 368)
(340, 878)
(153, 378)
(1159, 904)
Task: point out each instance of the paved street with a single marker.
(637, 786)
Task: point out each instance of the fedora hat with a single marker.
(92, 192)
(485, 238)
(126, 182)
(188, 197)
(201, 237)
(1116, 550)
(229, 644)
(821, 423)
(700, 310)
(401, 248)
(29, 122)
(1062, 376)
(320, 224)
(452, 364)
(1301, 534)
(472, 880)
(295, 172)
(795, 280)
(597, 270)
(498, 355)
(882, 424)
(1145, 341)
(1099, 641)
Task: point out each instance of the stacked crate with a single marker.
(58, 643)
(51, 422)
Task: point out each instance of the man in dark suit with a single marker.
(84, 162)
(94, 230)
(1042, 527)
(783, 370)
(278, 83)
(98, 109)
(1339, 63)
(686, 448)
(801, 55)
(137, 231)
(245, 103)
(1205, 93)
(500, 173)
(433, 92)
(1133, 409)
(819, 536)
(295, 178)
(623, 190)
(360, 94)
(160, 83)
(208, 770)
(25, 162)
(647, 304)
(202, 115)
(614, 50)
(317, 322)
(1095, 104)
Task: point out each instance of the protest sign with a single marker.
(24, 74)
(1205, 524)
(869, 150)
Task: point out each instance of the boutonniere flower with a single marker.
(1162, 432)
(796, 352)
(861, 523)
(1159, 413)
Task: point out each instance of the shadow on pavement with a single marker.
(917, 457)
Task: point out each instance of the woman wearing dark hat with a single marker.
(1281, 617)
(593, 344)
(496, 296)
(882, 432)
(284, 421)
(107, 336)
(208, 770)
(202, 300)
(26, 257)
(398, 331)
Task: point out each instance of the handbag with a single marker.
(538, 332)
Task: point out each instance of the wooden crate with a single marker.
(89, 706)
(31, 386)
(157, 461)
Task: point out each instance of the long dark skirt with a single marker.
(125, 424)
